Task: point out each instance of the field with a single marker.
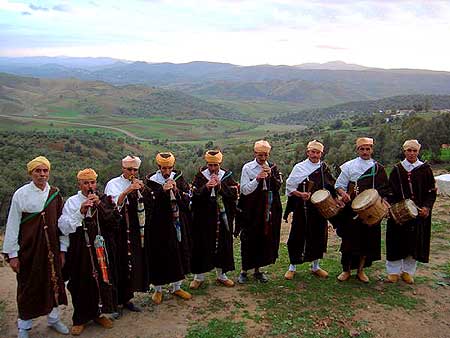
(305, 307)
(147, 129)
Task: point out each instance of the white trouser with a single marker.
(175, 286)
(407, 264)
(52, 318)
(314, 266)
(220, 275)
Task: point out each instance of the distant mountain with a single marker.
(334, 83)
(67, 61)
(36, 96)
(332, 65)
(294, 91)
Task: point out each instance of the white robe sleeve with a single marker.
(71, 217)
(248, 185)
(114, 190)
(344, 178)
(11, 242)
(292, 183)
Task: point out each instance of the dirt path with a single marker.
(429, 319)
(123, 131)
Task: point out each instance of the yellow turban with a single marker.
(364, 141)
(213, 156)
(412, 144)
(131, 162)
(262, 146)
(165, 159)
(316, 145)
(36, 162)
(87, 174)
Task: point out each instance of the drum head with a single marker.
(412, 207)
(319, 196)
(365, 199)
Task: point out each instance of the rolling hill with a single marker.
(306, 85)
(401, 102)
(34, 96)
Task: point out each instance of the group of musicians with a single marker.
(157, 230)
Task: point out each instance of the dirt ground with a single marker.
(430, 319)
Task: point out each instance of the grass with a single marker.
(311, 307)
(190, 130)
(217, 328)
(306, 306)
(2, 315)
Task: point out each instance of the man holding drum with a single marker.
(361, 243)
(409, 242)
(309, 231)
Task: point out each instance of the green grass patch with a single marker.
(217, 328)
(311, 307)
(438, 227)
(2, 315)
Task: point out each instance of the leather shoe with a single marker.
(59, 327)
(182, 294)
(243, 278)
(226, 282)
(23, 334)
(407, 278)
(261, 276)
(76, 330)
(392, 278)
(132, 307)
(104, 322)
(289, 275)
(320, 273)
(195, 284)
(361, 275)
(157, 297)
(344, 276)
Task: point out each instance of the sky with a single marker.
(385, 34)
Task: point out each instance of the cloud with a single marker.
(61, 8)
(38, 8)
(330, 47)
(25, 13)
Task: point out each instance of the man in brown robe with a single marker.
(126, 191)
(410, 242)
(309, 230)
(361, 243)
(213, 208)
(35, 249)
(259, 218)
(169, 248)
(91, 223)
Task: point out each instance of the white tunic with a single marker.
(116, 186)
(298, 174)
(71, 217)
(248, 176)
(28, 198)
(207, 174)
(352, 170)
(159, 178)
(410, 166)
